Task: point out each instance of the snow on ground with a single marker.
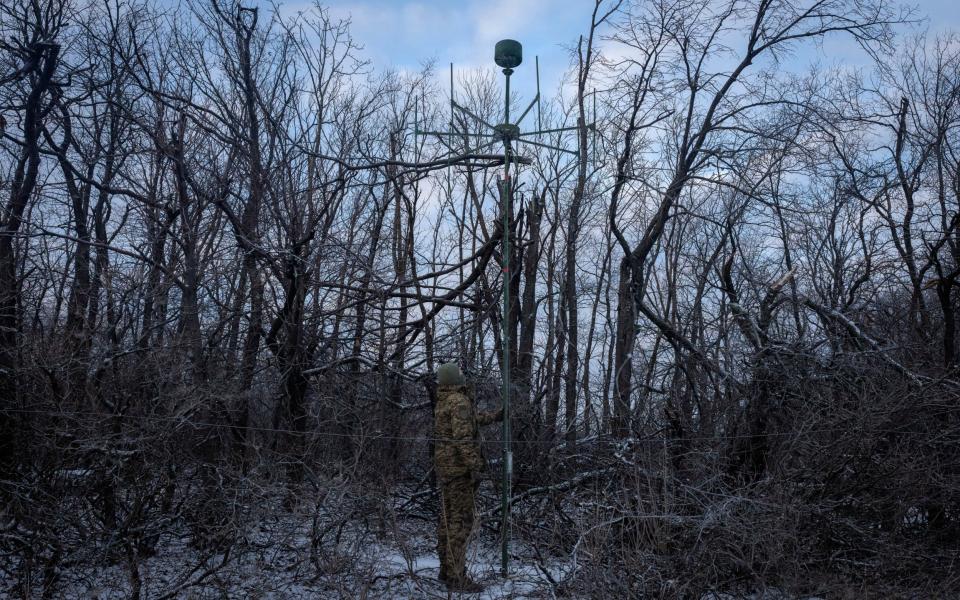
(271, 568)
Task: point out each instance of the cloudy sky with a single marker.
(407, 33)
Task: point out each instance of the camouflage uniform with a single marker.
(458, 464)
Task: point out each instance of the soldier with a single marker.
(459, 466)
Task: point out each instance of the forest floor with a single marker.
(279, 559)
(371, 568)
(384, 571)
(337, 541)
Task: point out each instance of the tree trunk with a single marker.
(623, 351)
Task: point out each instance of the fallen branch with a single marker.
(557, 487)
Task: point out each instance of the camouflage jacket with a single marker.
(456, 427)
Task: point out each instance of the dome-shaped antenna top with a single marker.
(508, 54)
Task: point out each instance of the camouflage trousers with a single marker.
(455, 526)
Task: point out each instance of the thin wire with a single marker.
(197, 424)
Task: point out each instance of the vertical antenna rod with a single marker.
(507, 54)
(450, 137)
(505, 322)
(539, 117)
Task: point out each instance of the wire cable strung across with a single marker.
(184, 420)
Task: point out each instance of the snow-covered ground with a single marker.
(268, 567)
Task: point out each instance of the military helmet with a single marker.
(450, 374)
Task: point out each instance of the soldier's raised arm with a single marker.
(489, 417)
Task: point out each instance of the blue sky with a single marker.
(407, 33)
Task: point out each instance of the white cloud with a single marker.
(501, 19)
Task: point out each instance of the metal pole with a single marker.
(506, 193)
(539, 116)
(450, 138)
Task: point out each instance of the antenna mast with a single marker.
(508, 55)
